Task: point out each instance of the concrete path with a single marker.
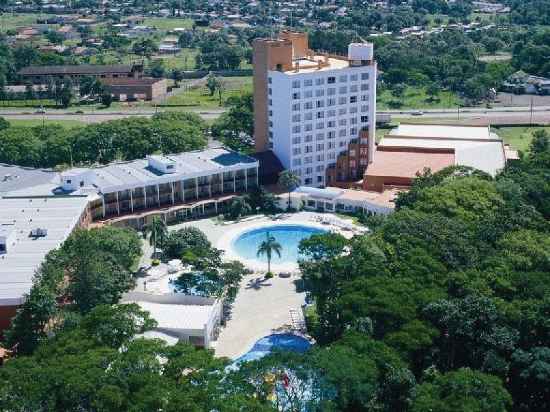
(262, 307)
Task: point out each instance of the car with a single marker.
(40, 111)
(417, 113)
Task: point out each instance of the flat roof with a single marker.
(407, 163)
(82, 69)
(179, 317)
(57, 214)
(17, 178)
(137, 173)
(442, 131)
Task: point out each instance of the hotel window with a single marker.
(353, 88)
(297, 172)
(320, 147)
(353, 131)
(320, 103)
(295, 96)
(331, 113)
(320, 115)
(270, 102)
(270, 123)
(343, 78)
(364, 119)
(331, 123)
(269, 91)
(319, 168)
(331, 102)
(295, 117)
(353, 99)
(296, 151)
(342, 144)
(270, 135)
(331, 155)
(342, 100)
(307, 181)
(353, 120)
(342, 122)
(296, 107)
(320, 125)
(319, 92)
(321, 157)
(365, 86)
(352, 152)
(342, 132)
(353, 110)
(353, 78)
(365, 98)
(308, 94)
(331, 145)
(308, 83)
(308, 138)
(320, 81)
(364, 76)
(352, 163)
(269, 80)
(296, 162)
(342, 111)
(308, 160)
(308, 105)
(331, 80)
(308, 127)
(331, 134)
(364, 108)
(271, 112)
(343, 90)
(296, 129)
(319, 136)
(309, 148)
(331, 91)
(309, 170)
(320, 180)
(296, 84)
(363, 161)
(363, 151)
(296, 140)
(308, 116)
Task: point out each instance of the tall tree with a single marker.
(289, 181)
(268, 247)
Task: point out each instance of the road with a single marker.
(472, 115)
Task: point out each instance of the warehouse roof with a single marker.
(435, 131)
(81, 69)
(17, 178)
(57, 216)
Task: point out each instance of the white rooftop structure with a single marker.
(31, 227)
(188, 318)
(474, 146)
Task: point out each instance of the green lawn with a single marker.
(184, 60)
(416, 98)
(200, 97)
(168, 23)
(519, 137)
(35, 103)
(68, 124)
(9, 21)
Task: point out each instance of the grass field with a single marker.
(184, 60)
(416, 98)
(10, 21)
(68, 124)
(35, 103)
(168, 23)
(200, 97)
(519, 137)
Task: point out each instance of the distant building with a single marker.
(41, 74)
(130, 89)
(523, 83)
(315, 111)
(410, 148)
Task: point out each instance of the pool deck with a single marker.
(262, 307)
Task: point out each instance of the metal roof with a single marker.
(17, 178)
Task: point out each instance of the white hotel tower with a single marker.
(315, 111)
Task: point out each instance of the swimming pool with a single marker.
(288, 236)
(282, 341)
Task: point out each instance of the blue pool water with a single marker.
(289, 236)
(282, 341)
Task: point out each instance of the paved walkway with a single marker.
(262, 307)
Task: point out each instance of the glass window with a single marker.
(296, 84)
(331, 80)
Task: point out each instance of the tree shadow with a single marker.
(258, 283)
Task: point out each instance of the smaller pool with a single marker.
(289, 237)
(282, 341)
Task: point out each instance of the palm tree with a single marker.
(267, 247)
(157, 231)
(289, 181)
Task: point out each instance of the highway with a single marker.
(471, 115)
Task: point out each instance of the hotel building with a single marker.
(315, 111)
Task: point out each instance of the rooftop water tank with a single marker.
(360, 51)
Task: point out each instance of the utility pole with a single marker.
(531, 117)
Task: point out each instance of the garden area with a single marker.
(412, 98)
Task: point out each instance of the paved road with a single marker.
(472, 115)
